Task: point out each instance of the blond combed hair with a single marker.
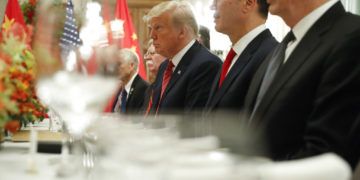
(181, 11)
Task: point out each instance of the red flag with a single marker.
(13, 12)
(130, 39)
(110, 103)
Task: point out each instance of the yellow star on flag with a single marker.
(134, 37)
(7, 23)
(133, 48)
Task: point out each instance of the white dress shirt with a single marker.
(129, 84)
(303, 26)
(243, 42)
(127, 89)
(176, 59)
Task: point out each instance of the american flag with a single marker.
(70, 38)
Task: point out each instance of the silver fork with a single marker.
(88, 160)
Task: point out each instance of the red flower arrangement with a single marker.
(28, 9)
(18, 101)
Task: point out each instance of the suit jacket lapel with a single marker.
(305, 48)
(255, 84)
(239, 65)
(182, 66)
(297, 58)
(156, 86)
(213, 90)
(234, 72)
(179, 70)
(130, 96)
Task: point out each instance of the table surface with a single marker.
(17, 163)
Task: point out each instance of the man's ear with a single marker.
(182, 32)
(132, 66)
(249, 5)
(250, 2)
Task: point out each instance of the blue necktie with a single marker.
(123, 101)
(274, 65)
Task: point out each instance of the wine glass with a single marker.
(72, 81)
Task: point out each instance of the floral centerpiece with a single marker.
(19, 104)
(28, 8)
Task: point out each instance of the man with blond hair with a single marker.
(184, 79)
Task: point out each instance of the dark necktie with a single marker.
(225, 67)
(274, 64)
(123, 101)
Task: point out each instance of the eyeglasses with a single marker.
(150, 53)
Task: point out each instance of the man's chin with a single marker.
(218, 28)
(273, 10)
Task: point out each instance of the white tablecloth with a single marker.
(14, 163)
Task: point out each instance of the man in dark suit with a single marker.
(183, 81)
(130, 96)
(244, 23)
(306, 95)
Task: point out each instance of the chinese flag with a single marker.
(130, 39)
(13, 12)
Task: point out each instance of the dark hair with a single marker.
(263, 8)
(204, 36)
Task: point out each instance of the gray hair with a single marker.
(129, 56)
(181, 11)
(150, 42)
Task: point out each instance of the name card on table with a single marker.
(48, 142)
(43, 136)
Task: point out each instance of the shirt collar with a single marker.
(301, 28)
(128, 85)
(241, 44)
(176, 59)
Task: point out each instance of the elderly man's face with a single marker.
(155, 58)
(125, 70)
(153, 61)
(164, 34)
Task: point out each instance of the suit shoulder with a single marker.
(353, 18)
(345, 31)
(206, 56)
(140, 83)
(269, 42)
(348, 24)
(143, 83)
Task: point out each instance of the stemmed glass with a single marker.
(65, 83)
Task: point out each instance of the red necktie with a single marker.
(149, 104)
(167, 76)
(165, 82)
(225, 67)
